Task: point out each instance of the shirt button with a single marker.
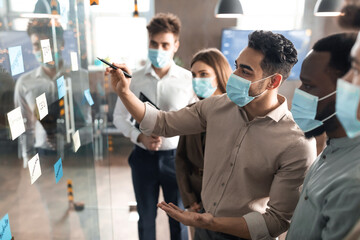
(214, 203)
(223, 184)
(231, 164)
(306, 197)
(324, 156)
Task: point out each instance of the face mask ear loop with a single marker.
(329, 117)
(264, 78)
(329, 95)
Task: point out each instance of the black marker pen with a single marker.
(114, 67)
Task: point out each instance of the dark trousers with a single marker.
(150, 170)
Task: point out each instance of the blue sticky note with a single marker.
(88, 97)
(61, 86)
(58, 170)
(16, 60)
(5, 232)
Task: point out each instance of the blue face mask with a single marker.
(202, 87)
(347, 103)
(159, 58)
(304, 109)
(237, 89)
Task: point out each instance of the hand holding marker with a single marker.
(114, 67)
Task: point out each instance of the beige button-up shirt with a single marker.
(252, 168)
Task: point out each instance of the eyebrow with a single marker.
(304, 79)
(246, 67)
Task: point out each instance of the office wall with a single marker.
(200, 28)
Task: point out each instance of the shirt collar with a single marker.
(173, 71)
(343, 142)
(280, 111)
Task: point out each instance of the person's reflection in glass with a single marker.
(48, 137)
(36, 82)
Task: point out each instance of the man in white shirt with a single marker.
(169, 87)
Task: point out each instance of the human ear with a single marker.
(177, 45)
(276, 81)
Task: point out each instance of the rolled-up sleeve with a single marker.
(189, 120)
(284, 192)
(148, 123)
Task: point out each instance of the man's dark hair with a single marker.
(339, 46)
(164, 23)
(43, 26)
(350, 17)
(280, 54)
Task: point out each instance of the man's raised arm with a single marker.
(121, 85)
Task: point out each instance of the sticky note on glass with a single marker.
(5, 232)
(58, 170)
(88, 97)
(46, 50)
(94, 2)
(61, 86)
(34, 168)
(16, 123)
(42, 106)
(16, 60)
(74, 61)
(76, 141)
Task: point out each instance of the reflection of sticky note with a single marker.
(88, 97)
(34, 168)
(5, 232)
(61, 86)
(16, 123)
(58, 170)
(46, 50)
(74, 61)
(42, 105)
(16, 60)
(76, 140)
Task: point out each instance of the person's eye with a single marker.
(203, 74)
(244, 72)
(307, 86)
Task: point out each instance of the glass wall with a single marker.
(51, 124)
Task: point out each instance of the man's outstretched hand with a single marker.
(198, 220)
(119, 82)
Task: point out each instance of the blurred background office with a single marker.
(114, 30)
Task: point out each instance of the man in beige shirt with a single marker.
(255, 155)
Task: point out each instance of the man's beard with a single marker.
(329, 125)
(315, 132)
